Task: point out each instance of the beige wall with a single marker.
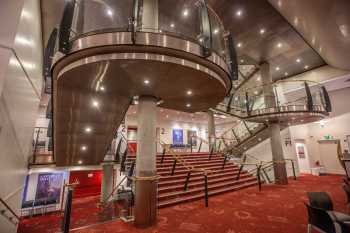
(20, 89)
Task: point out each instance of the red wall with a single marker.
(88, 186)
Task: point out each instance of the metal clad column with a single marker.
(279, 167)
(145, 181)
(107, 180)
(211, 130)
(150, 16)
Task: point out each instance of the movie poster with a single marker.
(177, 136)
(192, 135)
(49, 186)
(301, 151)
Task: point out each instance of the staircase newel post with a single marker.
(258, 176)
(206, 190)
(294, 175)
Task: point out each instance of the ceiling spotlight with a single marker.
(146, 81)
(306, 67)
(80, 162)
(83, 148)
(279, 45)
(160, 31)
(172, 25)
(258, 78)
(262, 31)
(242, 61)
(216, 31)
(277, 68)
(102, 88)
(88, 129)
(286, 74)
(95, 103)
(239, 12)
(185, 12)
(189, 92)
(259, 139)
(298, 60)
(239, 45)
(188, 105)
(255, 92)
(109, 12)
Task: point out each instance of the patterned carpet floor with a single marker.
(276, 209)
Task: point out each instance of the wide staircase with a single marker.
(177, 183)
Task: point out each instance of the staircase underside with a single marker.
(220, 179)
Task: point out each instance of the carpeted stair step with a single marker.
(184, 171)
(197, 196)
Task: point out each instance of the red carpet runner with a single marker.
(277, 209)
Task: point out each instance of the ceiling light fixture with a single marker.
(279, 45)
(286, 74)
(239, 12)
(109, 12)
(83, 148)
(258, 78)
(277, 68)
(189, 92)
(185, 12)
(216, 31)
(146, 81)
(242, 61)
(298, 60)
(262, 31)
(306, 67)
(95, 103)
(80, 162)
(102, 88)
(172, 25)
(188, 105)
(88, 129)
(239, 45)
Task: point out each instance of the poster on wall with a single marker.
(191, 134)
(177, 136)
(301, 152)
(49, 187)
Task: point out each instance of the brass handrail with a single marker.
(9, 208)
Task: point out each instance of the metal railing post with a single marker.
(191, 143)
(200, 146)
(36, 146)
(173, 168)
(187, 180)
(239, 172)
(266, 175)
(294, 175)
(206, 190)
(258, 176)
(67, 211)
(163, 154)
(211, 152)
(223, 165)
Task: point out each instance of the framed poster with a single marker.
(191, 134)
(49, 187)
(177, 136)
(301, 151)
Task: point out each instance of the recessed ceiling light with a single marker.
(279, 45)
(160, 31)
(109, 12)
(83, 148)
(239, 12)
(277, 68)
(95, 103)
(258, 78)
(185, 12)
(80, 162)
(239, 45)
(172, 25)
(242, 61)
(298, 60)
(189, 92)
(262, 31)
(188, 105)
(88, 129)
(259, 139)
(255, 92)
(146, 81)
(286, 74)
(306, 67)
(216, 31)
(102, 88)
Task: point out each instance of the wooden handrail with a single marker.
(9, 208)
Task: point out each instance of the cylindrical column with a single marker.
(211, 130)
(107, 180)
(145, 180)
(279, 166)
(150, 15)
(268, 92)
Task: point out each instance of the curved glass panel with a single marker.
(217, 34)
(97, 15)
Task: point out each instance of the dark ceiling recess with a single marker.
(263, 35)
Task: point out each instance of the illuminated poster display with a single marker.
(49, 186)
(177, 136)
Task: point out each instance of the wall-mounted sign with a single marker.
(191, 137)
(301, 151)
(177, 136)
(49, 186)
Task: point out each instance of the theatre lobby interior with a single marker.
(175, 116)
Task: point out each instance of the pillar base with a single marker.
(145, 202)
(280, 173)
